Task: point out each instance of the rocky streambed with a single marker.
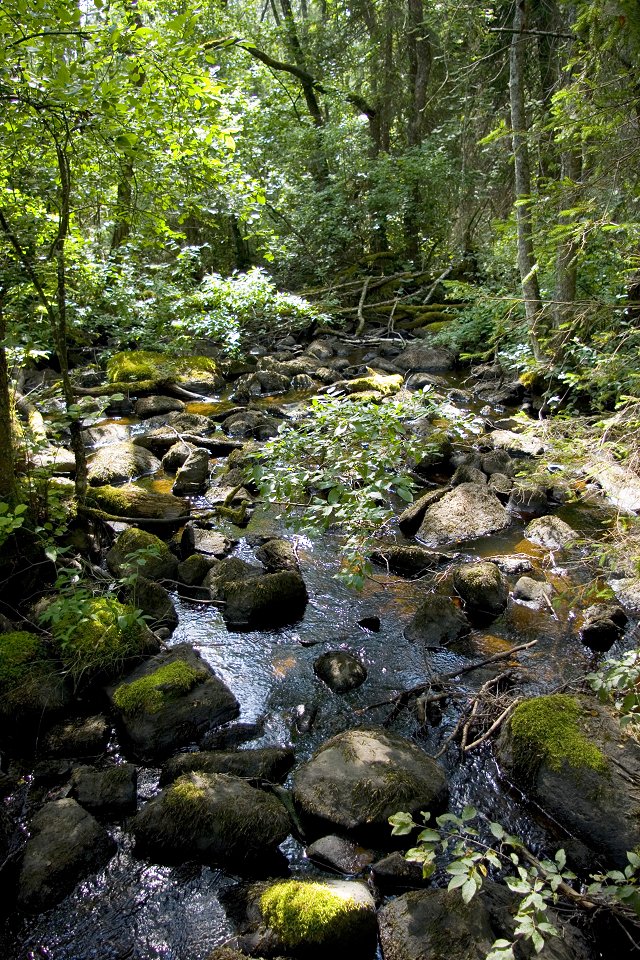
(220, 777)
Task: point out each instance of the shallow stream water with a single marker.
(136, 909)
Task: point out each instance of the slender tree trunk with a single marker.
(526, 258)
(8, 484)
(420, 61)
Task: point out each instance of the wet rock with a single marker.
(311, 919)
(105, 434)
(226, 571)
(552, 533)
(272, 600)
(573, 759)
(394, 872)
(221, 495)
(419, 358)
(437, 622)
(170, 702)
(251, 423)
(498, 461)
(528, 501)
(209, 543)
(65, 846)
(192, 476)
(438, 925)
(56, 459)
(156, 406)
(533, 591)
(136, 503)
(469, 511)
(627, 590)
(320, 350)
(214, 818)
(356, 780)
(466, 473)
(177, 455)
(119, 463)
(517, 443)
(124, 558)
(501, 485)
(483, 589)
(410, 519)
(77, 737)
(511, 564)
(109, 793)
(340, 855)
(277, 554)
(269, 764)
(155, 602)
(604, 623)
(341, 671)
(303, 382)
(412, 562)
(194, 569)
(232, 736)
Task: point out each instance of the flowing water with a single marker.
(139, 910)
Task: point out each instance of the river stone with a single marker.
(177, 455)
(410, 519)
(277, 554)
(180, 718)
(213, 818)
(228, 570)
(528, 501)
(210, 543)
(467, 473)
(533, 591)
(192, 476)
(438, 925)
(552, 533)
(410, 561)
(511, 564)
(340, 855)
(587, 792)
(394, 872)
(627, 590)
(498, 461)
(136, 503)
(483, 589)
(501, 485)
(65, 846)
(517, 443)
(147, 407)
(437, 622)
(56, 459)
(77, 737)
(194, 569)
(160, 565)
(271, 600)
(341, 671)
(359, 778)
(419, 358)
(604, 623)
(269, 764)
(119, 463)
(110, 792)
(469, 511)
(155, 602)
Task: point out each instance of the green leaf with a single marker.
(469, 890)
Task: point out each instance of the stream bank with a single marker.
(248, 613)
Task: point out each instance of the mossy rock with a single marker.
(150, 693)
(31, 680)
(145, 365)
(157, 562)
(120, 462)
(270, 764)
(136, 503)
(311, 918)
(377, 384)
(101, 637)
(213, 818)
(483, 590)
(569, 754)
(272, 600)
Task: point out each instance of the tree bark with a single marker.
(8, 484)
(522, 172)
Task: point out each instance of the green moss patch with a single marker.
(547, 730)
(383, 385)
(302, 912)
(30, 678)
(150, 693)
(19, 651)
(145, 365)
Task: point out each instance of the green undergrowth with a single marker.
(303, 912)
(149, 694)
(547, 730)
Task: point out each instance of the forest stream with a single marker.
(136, 906)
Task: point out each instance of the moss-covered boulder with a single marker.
(467, 512)
(270, 764)
(552, 533)
(147, 407)
(272, 600)
(214, 818)
(570, 755)
(412, 516)
(307, 918)
(408, 561)
(137, 551)
(437, 622)
(31, 681)
(154, 601)
(135, 503)
(371, 386)
(169, 702)
(156, 369)
(201, 540)
(359, 778)
(101, 637)
(66, 844)
(119, 463)
(277, 554)
(483, 589)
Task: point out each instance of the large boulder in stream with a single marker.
(171, 701)
(136, 503)
(155, 406)
(438, 925)
(214, 818)
(408, 561)
(271, 600)
(192, 476)
(65, 846)
(552, 533)
(570, 755)
(483, 589)
(119, 463)
(359, 778)
(437, 622)
(419, 358)
(156, 562)
(469, 511)
(269, 764)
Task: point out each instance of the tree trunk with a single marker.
(526, 258)
(8, 484)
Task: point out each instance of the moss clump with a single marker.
(383, 385)
(98, 635)
(150, 693)
(137, 503)
(155, 563)
(188, 807)
(137, 365)
(18, 652)
(302, 913)
(547, 730)
(30, 680)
